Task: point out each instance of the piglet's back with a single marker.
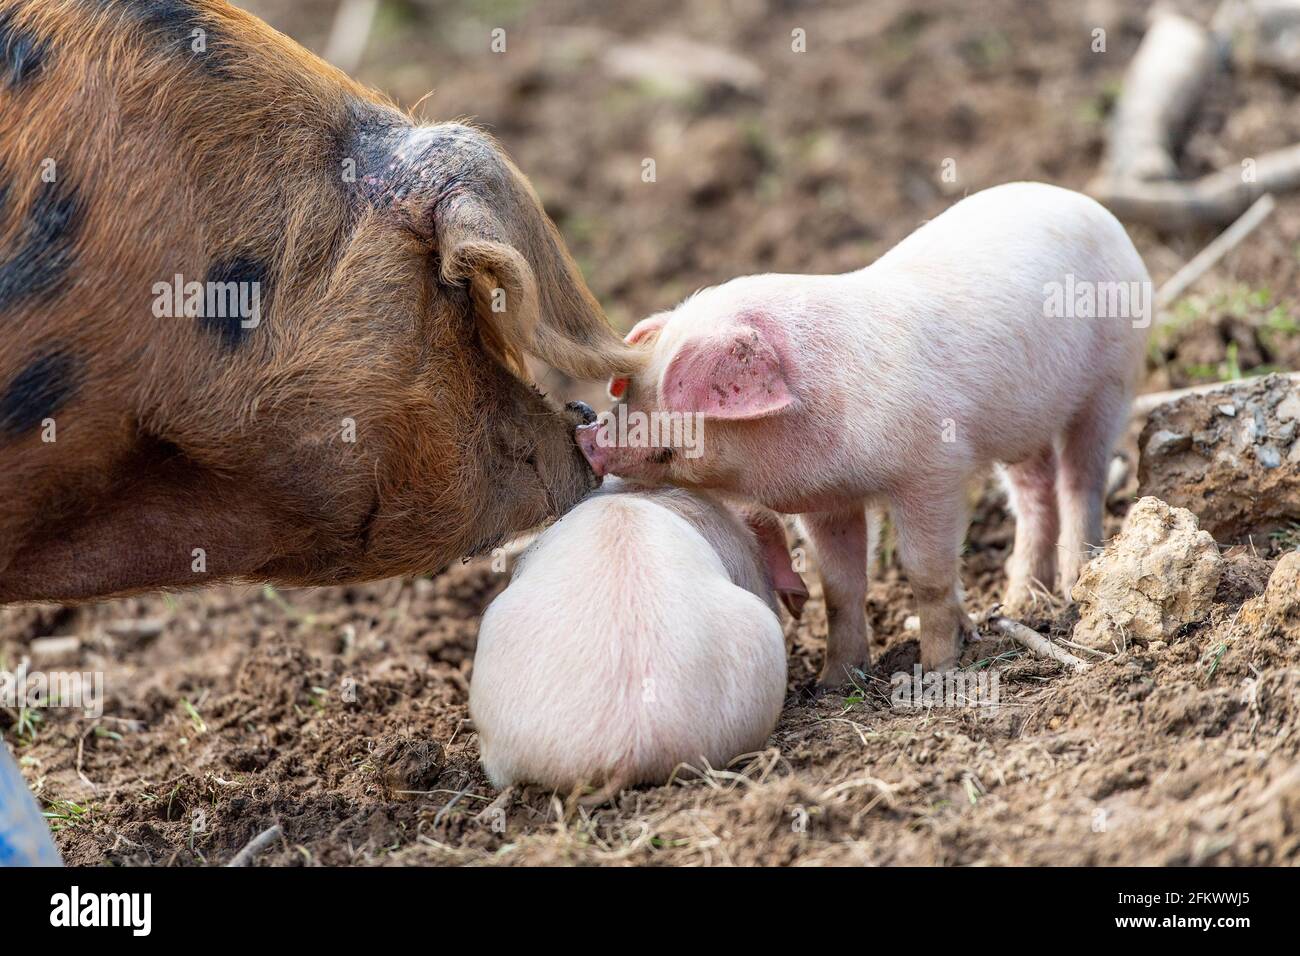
(621, 649)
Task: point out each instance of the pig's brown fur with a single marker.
(171, 438)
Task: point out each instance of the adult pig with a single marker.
(258, 324)
(638, 633)
(1009, 329)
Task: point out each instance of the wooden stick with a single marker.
(1146, 404)
(255, 846)
(1163, 85)
(1035, 642)
(1213, 200)
(1209, 257)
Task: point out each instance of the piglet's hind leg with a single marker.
(1081, 481)
(1031, 490)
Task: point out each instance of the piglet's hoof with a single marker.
(832, 680)
(944, 653)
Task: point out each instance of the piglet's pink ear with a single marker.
(644, 328)
(734, 374)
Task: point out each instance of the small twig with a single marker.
(81, 753)
(131, 627)
(1035, 642)
(498, 806)
(460, 794)
(1209, 257)
(256, 845)
(1085, 648)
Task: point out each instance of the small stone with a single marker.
(1288, 410)
(1282, 596)
(1229, 410)
(1164, 442)
(1158, 574)
(1237, 474)
(50, 650)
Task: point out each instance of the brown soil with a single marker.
(340, 713)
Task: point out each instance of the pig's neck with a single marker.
(856, 344)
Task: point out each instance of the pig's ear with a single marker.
(786, 582)
(501, 285)
(491, 231)
(732, 374)
(643, 330)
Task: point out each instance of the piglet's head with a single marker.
(698, 386)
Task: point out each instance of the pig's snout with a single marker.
(581, 412)
(596, 456)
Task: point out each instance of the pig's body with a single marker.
(900, 381)
(637, 634)
(359, 417)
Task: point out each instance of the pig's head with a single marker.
(713, 405)
(463, 253)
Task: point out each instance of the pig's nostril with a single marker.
(585, 412)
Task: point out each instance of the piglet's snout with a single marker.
(597, 457)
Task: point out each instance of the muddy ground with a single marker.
(341, 713)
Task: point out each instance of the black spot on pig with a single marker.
(38, 391)
(180, 28)
(22, 53)
(238, 295)
(37, 264)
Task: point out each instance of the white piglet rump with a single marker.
(638, 633)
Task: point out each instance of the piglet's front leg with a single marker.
(929, 529)
(840, 541)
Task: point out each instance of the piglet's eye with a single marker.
(617, 387)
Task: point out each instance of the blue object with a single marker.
(24, 836)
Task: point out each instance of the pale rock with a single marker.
(1159, 573)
